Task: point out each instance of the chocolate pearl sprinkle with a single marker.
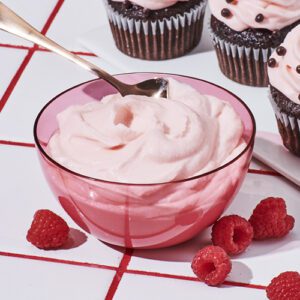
(229, 1)
(226, 13)
(259, 18)
(298, 69)
(272, 62)
(281, 51)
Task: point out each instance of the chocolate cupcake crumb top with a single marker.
(254, 38)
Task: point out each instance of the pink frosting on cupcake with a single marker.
(284, 73)
(153, 4)
(266, 14)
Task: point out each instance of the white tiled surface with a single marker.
(24, 190)
(34, 280)
(10, 60)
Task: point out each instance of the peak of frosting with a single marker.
(153, 4)
(138, 139)
(284, 66)
(240, 15)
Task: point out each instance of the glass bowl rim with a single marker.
(44, 153)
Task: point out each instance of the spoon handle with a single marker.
(12, 23)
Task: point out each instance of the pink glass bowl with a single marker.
(142, 215)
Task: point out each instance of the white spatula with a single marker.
(269, 150)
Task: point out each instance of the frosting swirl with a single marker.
(284, 66)
(153, 4)
(265, 14)
(137, 139)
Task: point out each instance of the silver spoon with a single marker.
(12, 23)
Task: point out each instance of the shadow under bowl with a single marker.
(142, 215)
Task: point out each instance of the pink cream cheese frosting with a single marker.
(284, 73)
(138, 139)
(266, 14)
(153, 4)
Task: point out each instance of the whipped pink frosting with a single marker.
(137, 139)
(153, 4)
(284, 75)
(277, 13)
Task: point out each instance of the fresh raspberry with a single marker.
(233, 233)
(48, 230)
(211, 265)
(286, 286)
(270, 220)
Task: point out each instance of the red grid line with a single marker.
(20, 144)
(190, 278)
(119, 274)
(123, 269)
(245, 285)
(20, 47)
(15, 79)
(28, 57)
(52, 16)
(57, 260)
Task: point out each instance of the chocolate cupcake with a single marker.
(284, 74)
(156, 29)
(245, 33)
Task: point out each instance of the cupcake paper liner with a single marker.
(245, 65)
(289, 128)
(157, 40)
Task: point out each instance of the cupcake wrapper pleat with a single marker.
(242, 64)
(157, 40)
(289, 129)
